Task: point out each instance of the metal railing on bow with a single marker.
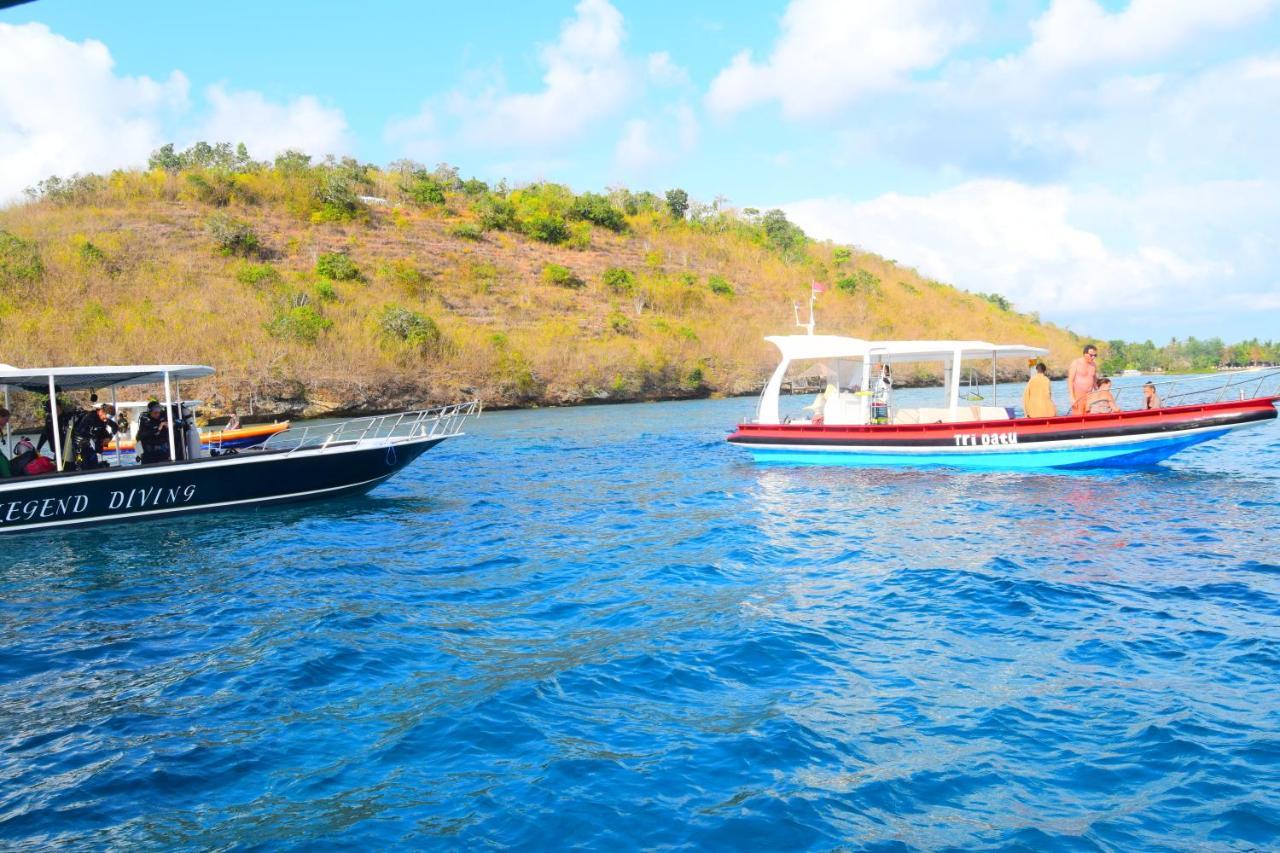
(440, 422)
(1197, 390)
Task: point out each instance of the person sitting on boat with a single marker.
(233, 422)
(1149, 398)
(90, 432)
(1096, 402)
(153, 435)
(819, 405)
(1037, 397)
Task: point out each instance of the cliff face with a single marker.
(397, 301)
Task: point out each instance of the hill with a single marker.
(331, 287)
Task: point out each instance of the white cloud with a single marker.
(636, 150)
(832, 52)
(1076, 33)
(1037, 246)
(63, 109)
(664, 72)
(587, 78)
(267, 128)
(417, 137)
(646, 145)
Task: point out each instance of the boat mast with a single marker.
(795, 306)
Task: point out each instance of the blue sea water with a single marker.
(606, 628)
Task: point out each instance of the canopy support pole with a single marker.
(168, 415)
(953, 393)
(994, 394)
(118, 438)
(57, 432)
(8, 430)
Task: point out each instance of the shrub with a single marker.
(579, 236)
(77, 189)
(406, 277)
(595, 208)
(209, 188)
(858, 280)
(561, 276)
(619, 280)
(495, 213)
(336, 266)
(336, 190)
(301, 323)
(467, 231)
(474, 188)
(841, 254)
(621, 323)
(90, 254)
(423, 189)
(997, 300)
(233, 236)
(257, 274)
(720, 286)
(325, 292)
(20, 263)
(547, 227)
(409, 327)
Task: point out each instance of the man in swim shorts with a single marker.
(1082, 376)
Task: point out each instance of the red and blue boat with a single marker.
(855, 419)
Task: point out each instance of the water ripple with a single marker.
(603, 627)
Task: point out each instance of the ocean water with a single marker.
(606, 628)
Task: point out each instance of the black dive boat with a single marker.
(301, 463)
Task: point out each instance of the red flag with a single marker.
(818, 287)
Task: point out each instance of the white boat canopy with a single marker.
(73, 378)
(812, 347)
(52, 379)
(830, 349)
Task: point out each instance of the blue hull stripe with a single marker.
(1119, 455)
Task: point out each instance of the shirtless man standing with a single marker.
(1082, 376)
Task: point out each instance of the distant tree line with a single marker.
(1187, 355)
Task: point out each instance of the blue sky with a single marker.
(1110, 165)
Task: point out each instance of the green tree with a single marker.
(782, 234)
(677, 203)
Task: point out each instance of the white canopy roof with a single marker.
(71, 378)
(805, 347)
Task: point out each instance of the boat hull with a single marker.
(172, 488)
(1122, 439)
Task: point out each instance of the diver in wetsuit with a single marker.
(91, 431)
(67, 415)
(153, 435)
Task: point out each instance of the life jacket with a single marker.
(39, 465)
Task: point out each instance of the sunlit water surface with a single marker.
(606, 627)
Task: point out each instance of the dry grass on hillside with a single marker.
(132, 274)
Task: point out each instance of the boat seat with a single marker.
(942, 415)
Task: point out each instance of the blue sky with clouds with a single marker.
(1111, 165)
